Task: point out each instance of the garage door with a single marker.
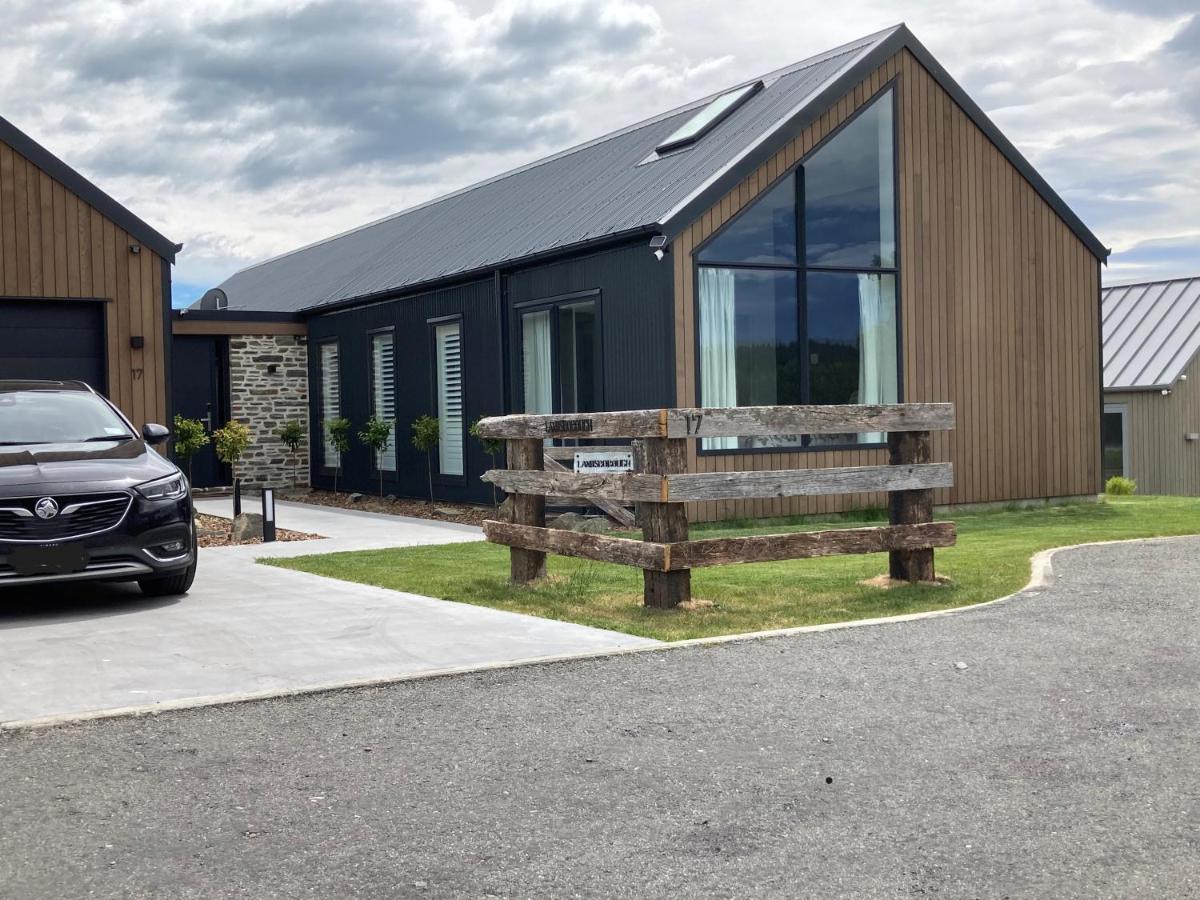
(60, 340)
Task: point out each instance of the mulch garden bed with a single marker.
(216, 531)
(464, 514)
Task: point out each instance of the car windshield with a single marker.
(57, 417)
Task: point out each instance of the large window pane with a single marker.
(448, 339)
(849, 195)
(383, 393)
(577, 357)
(331, 399)
(749, 345)
(764, 233)
(852, 351)
(535, 362)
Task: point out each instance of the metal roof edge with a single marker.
(87, 191)
(602, 242)
(816, 104)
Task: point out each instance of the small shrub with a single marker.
(292, 435)
(190, 438)
(426, 432)
(493, 447)
(338, 431)
(375, 434)
(232, 442)
(1119, 486)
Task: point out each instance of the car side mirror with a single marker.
(155, 434)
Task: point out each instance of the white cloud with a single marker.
(245, 129)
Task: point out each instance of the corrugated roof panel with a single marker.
(596, 190)
(614, 185)
(1151, 333)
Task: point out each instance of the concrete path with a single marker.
(246, 628)
(1059, 760)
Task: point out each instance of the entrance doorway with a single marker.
(1114, 437)
(200, 388)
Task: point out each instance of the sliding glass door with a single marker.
(560, 358)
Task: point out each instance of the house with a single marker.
(849, 229)
(85, 285)
(1151, 427)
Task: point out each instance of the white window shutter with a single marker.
(331, 398)
(383, 391)
(448, 339)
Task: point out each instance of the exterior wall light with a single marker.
(135, 249)
(658, 244)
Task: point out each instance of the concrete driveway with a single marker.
(246, 628)
(1060, 760)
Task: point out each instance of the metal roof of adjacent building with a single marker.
(612, 187)
(1151, 332)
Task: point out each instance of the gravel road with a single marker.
(1042, 747)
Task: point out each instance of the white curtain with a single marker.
(535, 360)
(876, 345)
(718, 346)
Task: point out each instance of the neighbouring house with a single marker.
(849, 229)
(85, 285)
(1152, 385)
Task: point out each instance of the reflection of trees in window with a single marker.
(818, 249)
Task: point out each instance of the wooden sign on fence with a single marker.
(662, 487)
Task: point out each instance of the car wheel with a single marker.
(166, 585)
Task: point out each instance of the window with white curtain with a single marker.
(796, 296)
(331, 397)
(383, 392)
(448, 342)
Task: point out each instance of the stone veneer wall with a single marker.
(264, 401)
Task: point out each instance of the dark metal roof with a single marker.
(611, 187)
(86, 191)
(1151, 333)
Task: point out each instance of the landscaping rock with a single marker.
(575, 522)
(247, 527)
(504, 513)
(390, 498)
(355, 498)
(448, 510)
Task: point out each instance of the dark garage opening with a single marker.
(53, 339)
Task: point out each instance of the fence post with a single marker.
(527, 509)
(665, 523)
(910, 507)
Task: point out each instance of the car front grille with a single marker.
(79, 515)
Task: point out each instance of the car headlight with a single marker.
(170, 488)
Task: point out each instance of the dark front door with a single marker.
(200, 384)
(56, 340)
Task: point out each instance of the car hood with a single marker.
(99, 466)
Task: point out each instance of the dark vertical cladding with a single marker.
(635, 312)
(409, 316)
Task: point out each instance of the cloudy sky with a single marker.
(244, 128)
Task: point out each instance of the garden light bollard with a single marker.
(268, 514)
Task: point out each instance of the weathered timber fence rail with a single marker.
(662, 486)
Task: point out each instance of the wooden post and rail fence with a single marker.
(660, 487)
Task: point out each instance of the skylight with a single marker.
(708, 118)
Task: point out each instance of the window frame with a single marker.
(393, 473)
(432, 324)
(553, 303)
(320, 395)
(1116, 409)
(802, 268)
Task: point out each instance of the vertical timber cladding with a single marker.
(55, 246)
(998, 313)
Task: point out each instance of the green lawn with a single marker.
(990, 560)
